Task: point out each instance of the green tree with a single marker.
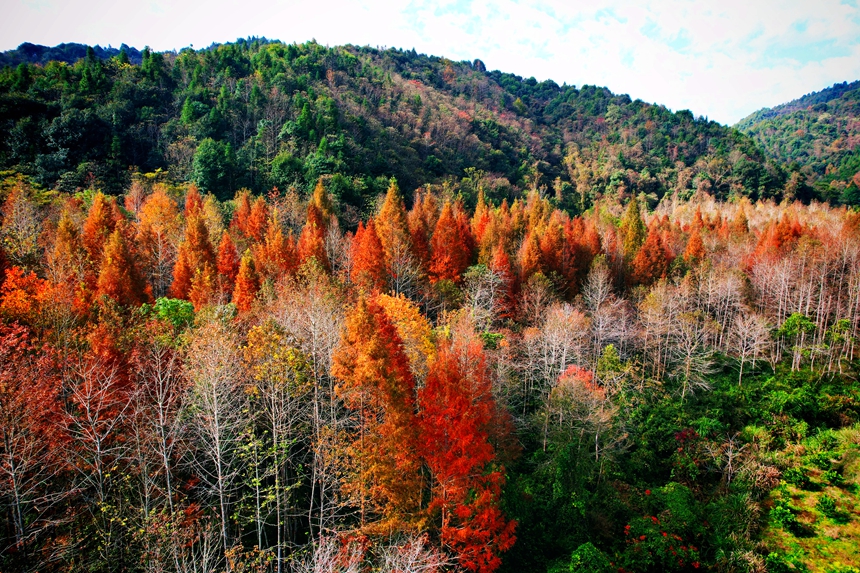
(213, 168)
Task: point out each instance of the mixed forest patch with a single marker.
(270, 307)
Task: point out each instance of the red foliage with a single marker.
(368, 259)
(457, 416)
(227, 263)
(652, 261)
(312, 239)
(450, 247)
(247, 283)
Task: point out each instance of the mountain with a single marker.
(818, 137)
(263, 114)
(70, 53)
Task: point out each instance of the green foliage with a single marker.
(179, 313)
(810, 135)
(259, 114)
(589, 559)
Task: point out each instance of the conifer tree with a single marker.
(311, 243)
(247, 283)
(631, 230)
(695, 251)
(368, 259)
(457, 415)
(227, 263)
(451, 254)
(375, 381)
(193, 202)
(652, 261)
(119, 277)
(392, 227)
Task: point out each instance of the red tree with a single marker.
(375, 381)
(457, 415)
(652, 261)
(368, 259)
(119, 277)
(227, 263)
(450, 249)
(247, 283)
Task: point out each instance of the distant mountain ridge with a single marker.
(817, 136)
(70, 53)
(833, 92)
(261, 114)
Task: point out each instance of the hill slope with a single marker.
(260, 114)
(818, 135)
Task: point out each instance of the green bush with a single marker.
(827, 506)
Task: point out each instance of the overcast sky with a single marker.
(721, 59)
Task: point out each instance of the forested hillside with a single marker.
(188, 384)
(270, 307)
(817, 137)
(261, 114)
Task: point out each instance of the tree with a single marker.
(652, 261)
(213, 167)
(279, 386)
(195, 254)
(311, 243)
(227, 263)
(450, 250)
(119, 277)
(158, 235)
(750, 337)
(695, 251)
(31, 442)
(247, 283)
(375, 382)
(100, 223)
(368, 259)
(216, 409)
(457, 415)
(21, 226)
(632, 230)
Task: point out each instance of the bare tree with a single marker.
(749, 338)
(691, 350)
(484, 289)
(215, 405)
(413, 554)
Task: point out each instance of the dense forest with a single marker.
(261, 114)
(270, 307)
(818, 137)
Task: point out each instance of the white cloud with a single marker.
(720, 59)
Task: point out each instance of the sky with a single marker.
(720, 59)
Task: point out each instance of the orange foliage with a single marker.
(100, 223)
(450, 248)
(193, 202)
(256, 225)
(368, 259)
(242, 213)
(312, 239)
(695, 251)
(457, 418)
(247, 283)
(652, 261)
(375, 381)
(23, 294)
(119, 277)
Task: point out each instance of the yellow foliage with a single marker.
(414, 329)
